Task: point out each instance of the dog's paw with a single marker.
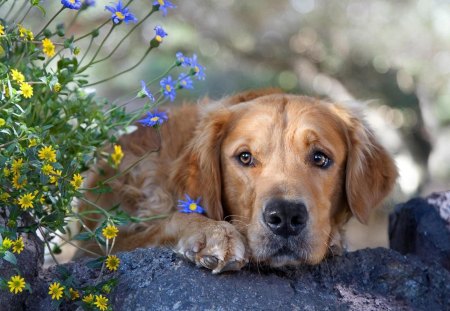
(215, 245)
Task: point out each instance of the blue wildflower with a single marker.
(154, 119)
(159, 33)
(198, 69)
(71, 4)
(185, 81)
(88, 3)
(121, 14)
(146, 92)
(168, 86)
(190, 205)
(164, 5)
(182, 60)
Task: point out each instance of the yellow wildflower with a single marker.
(6, 171)
(110, 231)
(74, 294)
(112, 262)
(56, 290)
(7, 243)
(88, 299)
(47, 169)
(54, 177)
(16, 284)
(26, 200)
(2, 122)
(2, 30)
(18, 245)
(48, 47)
(77, 180)
(17, 76)
(17, 183)
(101, 302)
(4, 196)
(17, 165)
(117, 155)
(57, 87)
(47, 154)
(27, 89)
(25, 33)
(32, 142)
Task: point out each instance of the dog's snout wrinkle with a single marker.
(285, 218)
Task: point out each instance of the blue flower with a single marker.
(168, 86)
(164, 5)
(185, 81)
(190, 206)
(71, 4)
(146, 92)
(88, 3)
(121, 14)
(154, 119)
(159, 33)
(182, 60)
(198, 69)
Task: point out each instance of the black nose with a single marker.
(284, 217)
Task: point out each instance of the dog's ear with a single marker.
(197, 170)
(370, 170)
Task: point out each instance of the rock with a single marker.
(422, 227)
(370, 279)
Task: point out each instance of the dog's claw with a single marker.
(190, 255)
(209, 262)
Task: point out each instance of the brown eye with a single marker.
(245, 158)
(321, 160)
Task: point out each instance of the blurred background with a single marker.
(390, 58)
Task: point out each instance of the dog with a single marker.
(278, 175)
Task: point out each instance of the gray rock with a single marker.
(422, 227)
(370, 279)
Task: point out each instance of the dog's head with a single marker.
(288, 171)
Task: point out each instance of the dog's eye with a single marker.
(321, 160)
(245, 158)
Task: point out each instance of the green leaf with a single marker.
(84, 236)
(96, 263)
(10, 257)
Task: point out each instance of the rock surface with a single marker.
(370, 279)
(422, 227)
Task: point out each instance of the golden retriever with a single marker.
(278, 176)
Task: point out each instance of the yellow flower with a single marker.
(48, 47)
(2, 30)
(17, 76)
(18, 245)
(25, 33)
(42, 200)
(54, 177)
(77, 180)
(57, 87)
(7, 243)
(4, 196)
(27, 89)
(74, 294)
(112, 262)
(47, 169)
(6, 171)
(56, 290)
(117, 155)
(88, 299)
(32, 142)
(26, 200)
(47, 154)
(2, 122)
(16, 284)
(110, 231)
(101, 302)
(17, 183)
(16, 166)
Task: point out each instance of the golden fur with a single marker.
(197, 155)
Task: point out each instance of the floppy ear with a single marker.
(370, 170)
(197, 170)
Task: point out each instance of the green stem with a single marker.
(10, 9)
(48, 245)
(126, 36)
(50, 21)
(20, 10)
(87, 50)
(73, 20)
(73, 244)
(124, 71)
(98, 50)
(26, 14)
